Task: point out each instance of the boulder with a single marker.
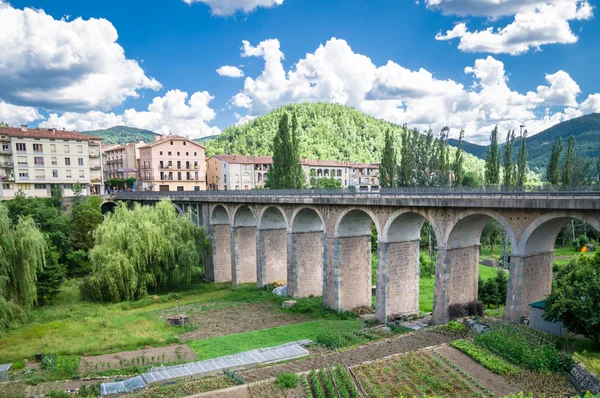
(281, 291)
(288, 304)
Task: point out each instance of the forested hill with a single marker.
(585, 129)
(123, 135)
(327, 131)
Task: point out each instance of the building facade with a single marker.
(122, 161)
(172, 163)
(237, 172)
(35, 160)
(362, 177)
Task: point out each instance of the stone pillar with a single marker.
(219, 267)
(530, 280)
(398, 270)
(305, 259)
(348, 282)
(243, 255)
(456, 280)
(271, 255)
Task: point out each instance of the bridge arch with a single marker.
(305, 252)
(243, 234)
(271, 246)
(108, 207)
(355, 221)
(219, 228)
(219, 215)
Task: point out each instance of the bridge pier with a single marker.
(219, 231)
(271, 254)
(305, 264)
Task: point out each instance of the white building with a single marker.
(235, 172)
(362, 177)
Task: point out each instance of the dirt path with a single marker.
(489, 380)
(237, 319)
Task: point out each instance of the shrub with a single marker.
(489, 361)
(455, 327)
(427, 267)
(287, 380)
(457, 311)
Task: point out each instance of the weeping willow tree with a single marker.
(140, 249)
(22, 254)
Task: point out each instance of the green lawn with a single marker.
(234, 343)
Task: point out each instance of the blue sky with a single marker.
(467, 64)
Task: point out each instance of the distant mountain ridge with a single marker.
(119, 135)
(585, 129)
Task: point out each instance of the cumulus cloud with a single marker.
(230, 7)
(15, 115)
(591, 104)
(64, 65)
(230, 71)
(536, 23)
(335, 73)
(173, 113)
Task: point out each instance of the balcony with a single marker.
(95, 167)
(39, 178)
(6, 164)
(5, 151)
(96, 179)
(24, 178)
(94, 154)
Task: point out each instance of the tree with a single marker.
(442, 152)
(57, 196)
(458, 161)
(389, 164)
(522, 161)
(51, 277)
(581, 171)
(492, 161)
(472, 179)
(286, 171)
(575, 298)
(553, 170)
(85, 218)
(327, 183)
(567, 169)
(491, 231)
(509, 167)
(406, 160)
(147, 247)
(493, 291)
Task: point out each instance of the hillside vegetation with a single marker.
(585, 129)
(123, 135)
(327, 131)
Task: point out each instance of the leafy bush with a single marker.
(455, 327)
(91, 391)
(457, 311)
(287, 380)
(489, 361)
(427, 267)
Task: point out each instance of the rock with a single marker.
(281, 291)
(585, 380)
(288, 303)
(368, 318)
(489, 263)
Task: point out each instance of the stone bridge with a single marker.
(320, 242)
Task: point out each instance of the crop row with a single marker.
(463, 373)
(484, 357)
(329, 383)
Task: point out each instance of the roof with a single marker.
(46, 133)
(242, 159)
(539, 304)
(336, 163)
(166, 138)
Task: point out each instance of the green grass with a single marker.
(234, 343)
(590, 360)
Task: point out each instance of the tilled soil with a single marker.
(351, 357)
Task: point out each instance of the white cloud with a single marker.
(536, 23)
(230, 7)
(230, 71)
(16, 115)
(55, 64)
(591, 104)
(173, 113)
(335, 73)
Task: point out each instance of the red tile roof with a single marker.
(165, 138)
(337, 163)
(46, 133)
(241, 159)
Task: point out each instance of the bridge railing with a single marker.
(509, 191)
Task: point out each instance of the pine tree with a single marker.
(567, 169)
(522, 164)
(553, 170)
(492, 161)
(389, 164)
(458, 161)
(509, 170)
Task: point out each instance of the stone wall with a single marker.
(355, 256)
(306, 262)
(403, 273)
(536, 282)
(464, 274)
(244, 262)
(221, 247)
(584, 380)
(275, 254)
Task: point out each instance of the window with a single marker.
(187, 154)
(22, 160)
(67, 149)
(180, 188)
(179, 164)
(80, 161)
(53, 148)
(6, 186)
(37, 147)
(178, 153)
(21, 147)
(39, 160)
(225, 179)
(53, 161)
(171, 142)
(55, 173)
(5, 147)
(24, 187)
(68, 186)
(196, 176)
(67, 161)
(195, 153)
(24, 173)
(39, 186)
(184, 142)
(160, 153)
(81, 174)
(68, 173)
(179, 175)
(169, 153)
(39, 174)
(79, 148)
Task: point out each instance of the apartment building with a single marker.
(362, 177)
(235, 172)
(122, 161)
(35, 160)
(172, 163)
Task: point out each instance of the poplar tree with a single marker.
(522, 161)
(553, 170)
(444, 162)
(389, 164)
(298, 177)
(286, 171)
(509, 166)
(492, 160)
(458, 160)
(567, 169)
(406, 160)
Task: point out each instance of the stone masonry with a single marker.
(355, 272)
(305, 273)
(244, 255)
(272, 256)
(221, 248)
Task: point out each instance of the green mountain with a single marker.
(123, 135)
(327, 131)
(585, 129)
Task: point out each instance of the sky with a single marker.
(196, 67)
